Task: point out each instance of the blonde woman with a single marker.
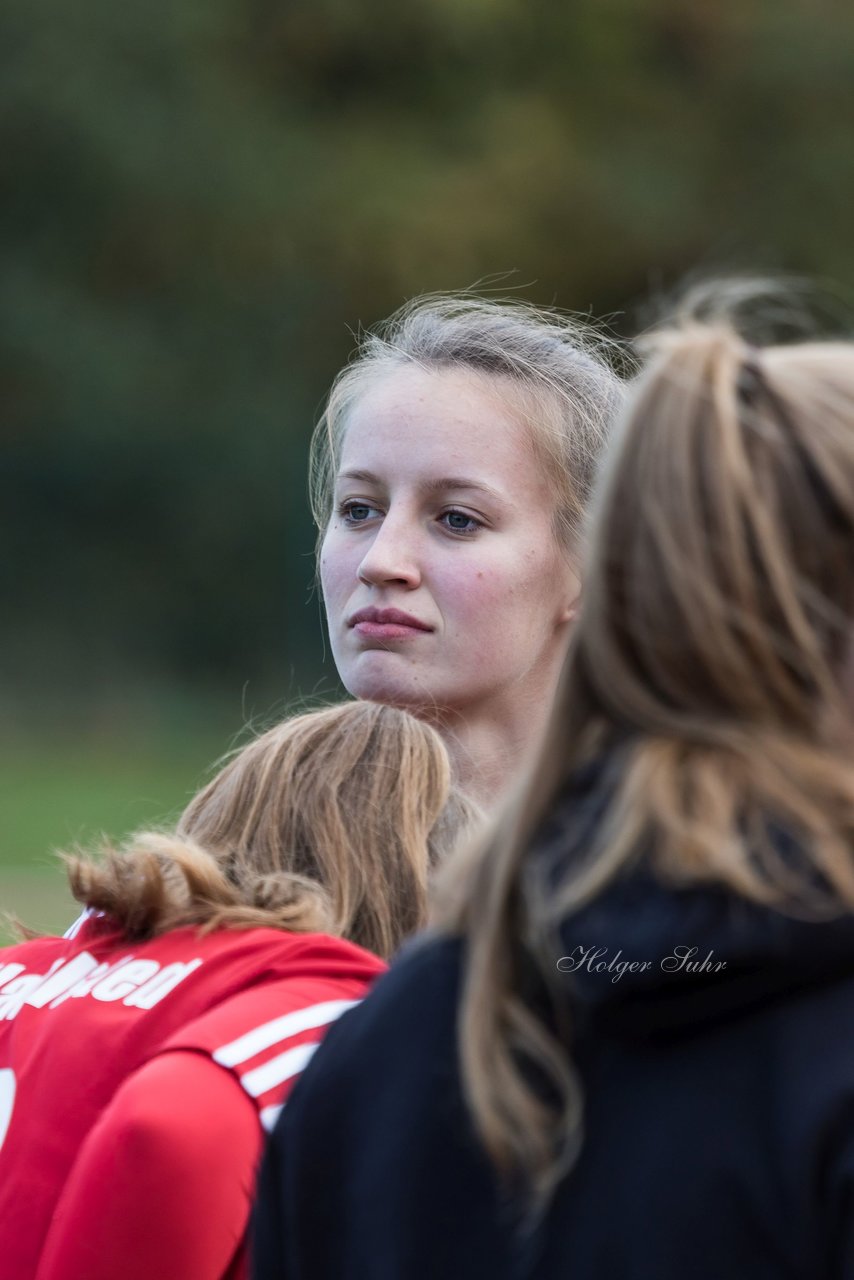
(142, 1058)
(451, 469)
(630, 1052)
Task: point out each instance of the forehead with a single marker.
(412, 417)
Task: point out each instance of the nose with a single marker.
(392, 557)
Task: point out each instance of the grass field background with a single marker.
(67, 794)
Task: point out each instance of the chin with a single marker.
(377, 681)
(392, 694)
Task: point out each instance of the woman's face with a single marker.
(445, 589)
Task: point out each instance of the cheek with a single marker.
(334, 563)
(489, 602)
(518, 596)
(334, 581)
(470, 593)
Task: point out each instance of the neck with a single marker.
(488, 756)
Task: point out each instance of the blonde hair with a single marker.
(557, 364)
(327, 822)
(708, 667)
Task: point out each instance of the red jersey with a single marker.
(132, 1079)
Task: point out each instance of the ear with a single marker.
(572, 598)
(570, 611)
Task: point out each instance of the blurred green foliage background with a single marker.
(203, 199)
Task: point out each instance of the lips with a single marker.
(386, 624)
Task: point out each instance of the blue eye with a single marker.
(460, 522)
(357, 512)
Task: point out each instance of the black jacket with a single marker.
(719, 1113)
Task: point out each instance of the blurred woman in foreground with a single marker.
(630, 1053)
(142, 1057)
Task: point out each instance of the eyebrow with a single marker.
(440, 484)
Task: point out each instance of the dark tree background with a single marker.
(201, 199)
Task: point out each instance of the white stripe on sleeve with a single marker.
(270, 1033)
(269, 1116)
(73, 929)
(277, 1070)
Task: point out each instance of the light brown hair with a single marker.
(326, 822)
(711, 666)
(555, 366)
